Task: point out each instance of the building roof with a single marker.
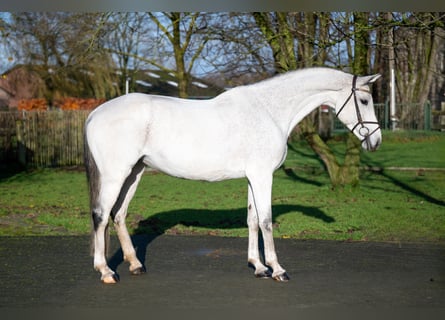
(165, 83)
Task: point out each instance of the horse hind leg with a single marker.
(109, 192)
(119, 214)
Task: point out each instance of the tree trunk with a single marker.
(432, 40)
(321, 149)
(178, 50)
(349, 171)
(340, 175)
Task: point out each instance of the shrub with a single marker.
(77, 103)
(33, 105)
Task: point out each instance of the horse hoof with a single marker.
(264, 275)
(138, 271)
(281, 277)
(111, 279)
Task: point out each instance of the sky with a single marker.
(5, 62)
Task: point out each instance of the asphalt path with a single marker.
(204, 272)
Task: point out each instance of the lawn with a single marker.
(389, 205)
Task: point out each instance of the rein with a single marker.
(363, 130)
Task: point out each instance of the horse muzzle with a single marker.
(371, 143)
(370, 135)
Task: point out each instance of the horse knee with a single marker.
(266, 225)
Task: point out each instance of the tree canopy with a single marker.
(93, 54)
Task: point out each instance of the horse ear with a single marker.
(370, 79)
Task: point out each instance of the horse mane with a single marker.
(309, 75)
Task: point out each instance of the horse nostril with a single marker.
(370, 145)
(379, 142)
(376, 145)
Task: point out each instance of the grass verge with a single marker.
(388, 205)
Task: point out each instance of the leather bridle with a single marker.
(363, 131)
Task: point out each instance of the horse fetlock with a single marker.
(107, 275)
(280, 276)
(135, 271)
(136, 267)
(263, 274)
(110, 278)
(261, 271)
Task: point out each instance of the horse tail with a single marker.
(93, 179)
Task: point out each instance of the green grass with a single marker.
(399, 149)
(388, 206)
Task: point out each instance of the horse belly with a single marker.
(197, 163)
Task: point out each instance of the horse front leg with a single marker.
(261, 194)
(253, 255)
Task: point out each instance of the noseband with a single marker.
(362, 131)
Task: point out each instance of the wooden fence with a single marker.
(43, 138)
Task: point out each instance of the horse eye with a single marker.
(364, 101)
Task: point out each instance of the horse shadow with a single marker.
(149, 229)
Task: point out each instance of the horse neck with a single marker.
(289, 100)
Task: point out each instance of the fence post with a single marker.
(21, 146)
(386, 114)
(427, 115)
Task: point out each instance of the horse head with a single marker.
(356, 111)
